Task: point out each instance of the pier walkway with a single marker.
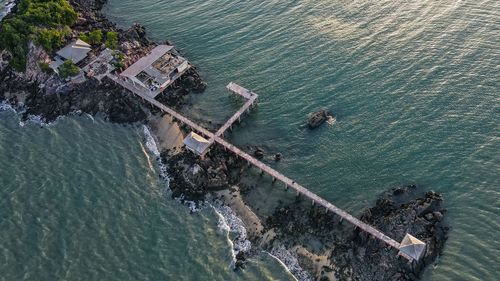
(288, 183)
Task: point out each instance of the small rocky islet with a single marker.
(344, 252)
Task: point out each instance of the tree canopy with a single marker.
(68, 69)
(45, 22)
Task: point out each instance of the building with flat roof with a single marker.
(156, 71)
(102, 65)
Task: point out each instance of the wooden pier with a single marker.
(277, 176)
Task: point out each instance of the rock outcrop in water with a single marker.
(354, 255)
(324, 246)
(318, 118)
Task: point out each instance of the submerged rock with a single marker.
(259, 152)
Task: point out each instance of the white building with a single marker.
(76, 52)
(156, 71)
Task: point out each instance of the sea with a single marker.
(414, 87)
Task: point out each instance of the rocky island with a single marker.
(312, 243)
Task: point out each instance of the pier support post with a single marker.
(313, 202)
(286, 186)
(274, 180)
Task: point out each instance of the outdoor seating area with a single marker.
(156, 71)
(101, 66)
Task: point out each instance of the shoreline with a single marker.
(286, 225)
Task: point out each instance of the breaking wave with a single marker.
(152, 146)
(230, 223)
(290, 262)
(5, 106)
(7, 8)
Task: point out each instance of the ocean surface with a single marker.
(415, 87)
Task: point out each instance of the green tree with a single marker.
(112, 40)
(94, 37)
(68, 69)
(47, 12)
(14, 37)
(84, 37)
(51, 39)
(45, 67)
(43, 21)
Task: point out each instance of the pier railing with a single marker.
(277, 176)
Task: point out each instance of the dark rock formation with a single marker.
(356, 255)
(259, 152)
(398, 212)
(318, 118)
(277, 157)
(192, 177)
(50, 97)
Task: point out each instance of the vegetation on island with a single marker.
(45, 67)
(118, 60)
(112, 40)
(68, 69)
(93, 37)
(44, 22)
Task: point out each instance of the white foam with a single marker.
(5, 106)
(153, 148)
(151, 145)
(290, 262)
(88, 115)
(193, 207)
(7, 8)
(150, 141)
(38, 120)
(229, 222)
(331, 120)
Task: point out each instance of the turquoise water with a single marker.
(415, 87)
(82, 200)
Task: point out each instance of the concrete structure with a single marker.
(76, 52)
(288, 183)
(196, 143)
(156, 71)
(101, 66)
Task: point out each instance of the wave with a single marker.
(37, 120)
(7, 8)
(229, 222)
(152, 146)
(5, 106)
(290, 262)
(20, 109)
